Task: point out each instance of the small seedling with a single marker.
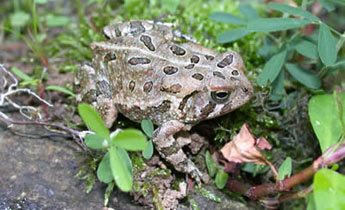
(115, 164)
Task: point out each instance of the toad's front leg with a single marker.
(96, 91)
(171, 150)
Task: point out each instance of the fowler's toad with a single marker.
(142, 73)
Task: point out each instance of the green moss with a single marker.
(156, 200)
(160, 172)
(137, 162)
(207, 194)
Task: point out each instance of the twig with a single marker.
(79, 135)
(12, 88)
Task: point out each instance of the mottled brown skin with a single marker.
(141, 73)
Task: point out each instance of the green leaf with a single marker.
(210, 164)
(278, 87)
(221, 179)
(305, 77)
(41, 1)
(266, 51)
(21, 74)
(56, 21)
(285, 169)
(232, 35)
(329, 190)
(292, 10)
(255, 168)
(94, 141)
(93, 120)
(19, 19)
(119, 162)
(325, 120)
(126, 159)
(311, 202)
(60, 89)
(130, 139)
(327, 46)
(41, 37)
(227, 18)
(307, 49)
(327, 5)
(170, 5)
(148, 151)
(340, 2)
(104, 173)
(248, 11)
(272, 68)
(147, 127)
(275, 24)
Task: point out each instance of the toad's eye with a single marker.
(220, 96)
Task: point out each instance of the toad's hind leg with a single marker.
(170, 149)
(96, 92)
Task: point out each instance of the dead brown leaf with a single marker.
(243, 148)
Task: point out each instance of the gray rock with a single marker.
(39, 174)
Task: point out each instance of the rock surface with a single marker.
(39, 174)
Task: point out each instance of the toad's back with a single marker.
(147, 76)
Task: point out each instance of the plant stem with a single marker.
(75, 133)
(332, 155)
(335, 31)
(34, 19)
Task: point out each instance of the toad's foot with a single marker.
(171, 150)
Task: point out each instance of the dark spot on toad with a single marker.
(136, 28)
(138, 60)
(226, 61)
(177, 50)
(105, 35)
(175, 88)
(235, 73)
(110, 57)
(218, 74)
(189, 66)
(185, 99)
(207, 109)
(131, 85)
(209, 57)
(195, 59)
(148, 86)
(169, 70)
(147, 42)
(117, 32)
(198, 76)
